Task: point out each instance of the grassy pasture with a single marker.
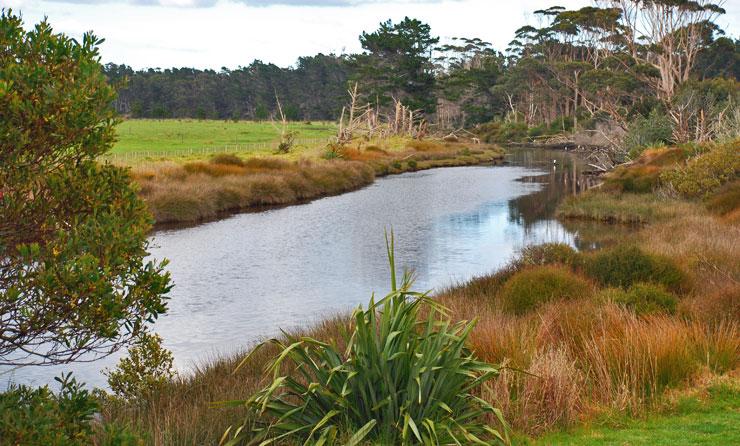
(177, 135)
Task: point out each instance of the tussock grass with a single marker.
(622, 208)
(203, 190)
(199, 191)
(531, 287)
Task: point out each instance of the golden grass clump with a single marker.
(199, 191)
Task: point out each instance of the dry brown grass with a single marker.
(197, 191)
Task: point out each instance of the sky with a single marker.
(232, 33)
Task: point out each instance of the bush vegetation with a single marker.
(40, 417)
(706, 172)
(626, 265)
(531, 287)
(655, 129)
(643, 298)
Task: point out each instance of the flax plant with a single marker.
(406, 377)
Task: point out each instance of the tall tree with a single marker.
(666, 34)
(73, 233)
(397, 63)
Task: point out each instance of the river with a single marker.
(246, 277)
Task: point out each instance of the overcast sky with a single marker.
(232, 33)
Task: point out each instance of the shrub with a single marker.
(655, 129)
(287, 140)
(503, 132)
(333, 151)
(147, 369)
(636, 179)
(75, 274)
(40, 417)
(227, 159)
(424, 145)
(724, 200)
(396, 165)
(412, 164)
(549, 253)
(707, 172)
(644, 298)
(403, 380)
(626, 265)
(531, 287)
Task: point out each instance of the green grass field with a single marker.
(178, 135)
(693, 421)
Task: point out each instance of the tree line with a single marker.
(615, 62)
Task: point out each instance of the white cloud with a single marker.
(231, 33)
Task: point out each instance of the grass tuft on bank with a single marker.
(203, 190)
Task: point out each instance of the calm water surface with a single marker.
(241, 279)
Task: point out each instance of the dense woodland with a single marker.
(620, 62)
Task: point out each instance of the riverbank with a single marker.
(624, 327)
(191, 192)
(621, 329)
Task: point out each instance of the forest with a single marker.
(617, 63)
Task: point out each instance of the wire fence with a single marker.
(139, 156)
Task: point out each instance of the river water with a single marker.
(244, 278)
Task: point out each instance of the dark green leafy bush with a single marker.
(653, 130)
(39, 417)
(643, 298)
(626, 265)
(531, 287)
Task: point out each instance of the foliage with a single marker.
(403, 379)
(397, 64)
(643, 175)
(333, 150)
(625, 265)
(704, 110)
(531, 287)
(503, 132)
(654, 130)
(726, 199)
(74, 278)
(706, 172)
(643, 298)
(247, 92)
(40, 417)
(287, 141)
(549, 253)
(146, 369)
